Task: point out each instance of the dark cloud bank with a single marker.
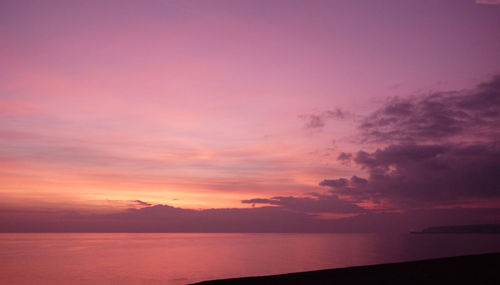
(439, 149)
(437, 163)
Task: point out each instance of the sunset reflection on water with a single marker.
(184, 258)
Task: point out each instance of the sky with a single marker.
(279, 115)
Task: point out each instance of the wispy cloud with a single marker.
(318, 120)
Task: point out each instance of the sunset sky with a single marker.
(323, 109)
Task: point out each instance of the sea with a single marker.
(183, 258)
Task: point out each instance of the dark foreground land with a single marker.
(467, 229)
(473, 269)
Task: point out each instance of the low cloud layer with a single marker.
(317, 204)
(164, 218)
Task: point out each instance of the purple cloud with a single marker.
(335, 183)
(345, 157)
(442, 148)
(441, 116)
(319, 204)
(425, 174)
(318, 120)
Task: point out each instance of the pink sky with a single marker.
(203, 104)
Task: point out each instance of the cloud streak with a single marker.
(424, 174)
(319, 120)
(141, 203)
(318, 204)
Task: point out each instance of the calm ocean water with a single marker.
(185, 258)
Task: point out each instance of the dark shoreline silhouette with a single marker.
(465, 229)
(470, 269)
